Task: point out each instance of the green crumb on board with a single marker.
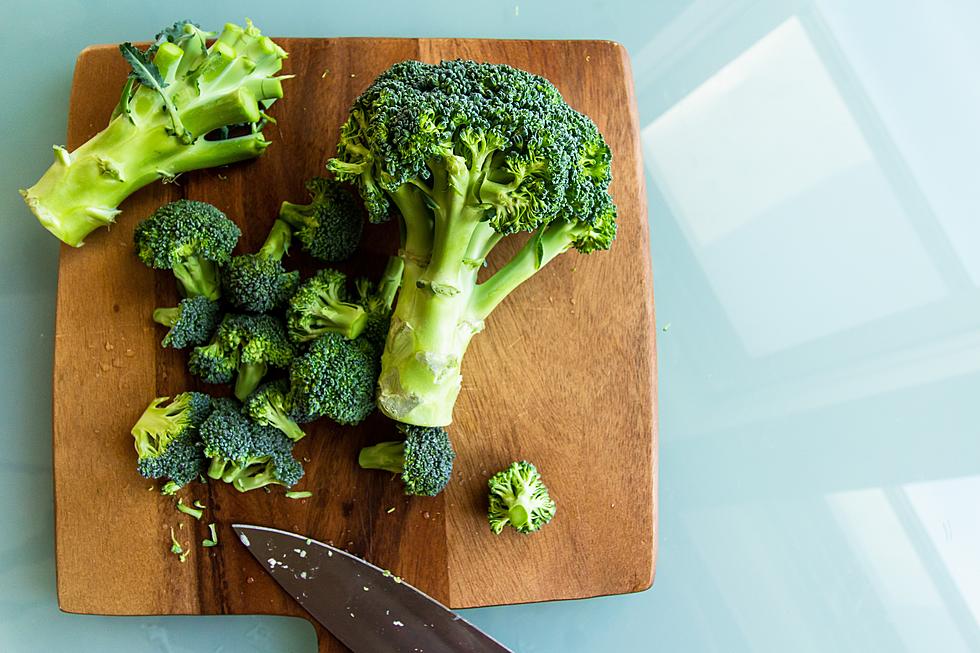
(213, 540)
(187, 510)
(305, 494)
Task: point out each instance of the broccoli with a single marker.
(166, 438)
(178, 91)
(330, 226)
(269, 406)
(191, 322)
(213, 363)
(246, 454)
(424, 459)
(257, 342)
(336, 378)
(519, 497)
(193, 240)
(258, 282)
(378, 301)
(320, 305)
(468, 153)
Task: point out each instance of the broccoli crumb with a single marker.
(305, 494)
(213, 540)
(188, 510)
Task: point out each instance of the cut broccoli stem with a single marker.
(249, 377)
(167, 316)
(198, 276)
(389, 456)
(277, 242)
(217, 468)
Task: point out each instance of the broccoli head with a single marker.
(193, 240)
(180, 93)
(378, 300)
(269, 406)
(424, 459)
(330, 226)
(257, 342)
(519, 497)
(258, 282)
(467, 153)
(335, 378)
(191, 322)
(246, 454)
(166, 438)
(320, 305)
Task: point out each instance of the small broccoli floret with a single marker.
(330, 226)
(193, 240)
(519, 497)
(269, 406)
(258, 282)
(166, 438)
(256, 342)
(320, 306)
(335, 378)
(178, 91)
(213, 363)
(467, 153)
(424, 459)
(378, 301)
(191, 322)
(246, 454)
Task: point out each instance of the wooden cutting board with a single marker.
(564, 376)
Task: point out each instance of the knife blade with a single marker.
(367, 608)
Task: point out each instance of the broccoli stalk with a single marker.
(519, 497)
(468, 153)
(178, 91)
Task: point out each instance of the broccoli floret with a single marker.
(258, 282)
(320, 305)
(191, 322)
(166, 438)
(336, 378)
(467, 153)
(519, 497)
(378, 301)
(269, 406)
(330, 226)
(246, 454)
(191, 239)
(258, 342)
(424, 459)
(178, 91)
(212, 363)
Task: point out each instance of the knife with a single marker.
(365, 607)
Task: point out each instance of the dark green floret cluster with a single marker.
(166, 438)
(335, 378)
(191, 322)
(424, 458)
(259, 282)
(330, 226)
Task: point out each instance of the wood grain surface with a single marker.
(564, 376)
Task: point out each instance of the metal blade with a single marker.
(365, 607)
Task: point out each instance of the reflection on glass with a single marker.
(783, 201)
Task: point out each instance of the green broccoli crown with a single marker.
(532, 158)
(519, 497)
(336, 378)
(212, 363)
(424, 459)
(192, 322)
(330, 226)
(257, 338)
(182, 230)
(259, 282)
(269, 406)
(166, 437)
(321, 305)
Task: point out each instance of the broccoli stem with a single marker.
(277, 242)
(217, 468)
(389, 456)
(287, 426)
(167, 316)
(249, 377)
(198, 276)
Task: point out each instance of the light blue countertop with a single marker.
(812, 170)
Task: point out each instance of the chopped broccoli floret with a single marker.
(269, 406)
(378, 300)
(424, 458)
(335, 378)
(330, 226)
(178, 91)
(519, 497)
(259, 342)
(192, 322)
(467, 153)
(193, 240)
(166, 437)
(212, 363)
(246, 454)
(321, 305)
(258, 282)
